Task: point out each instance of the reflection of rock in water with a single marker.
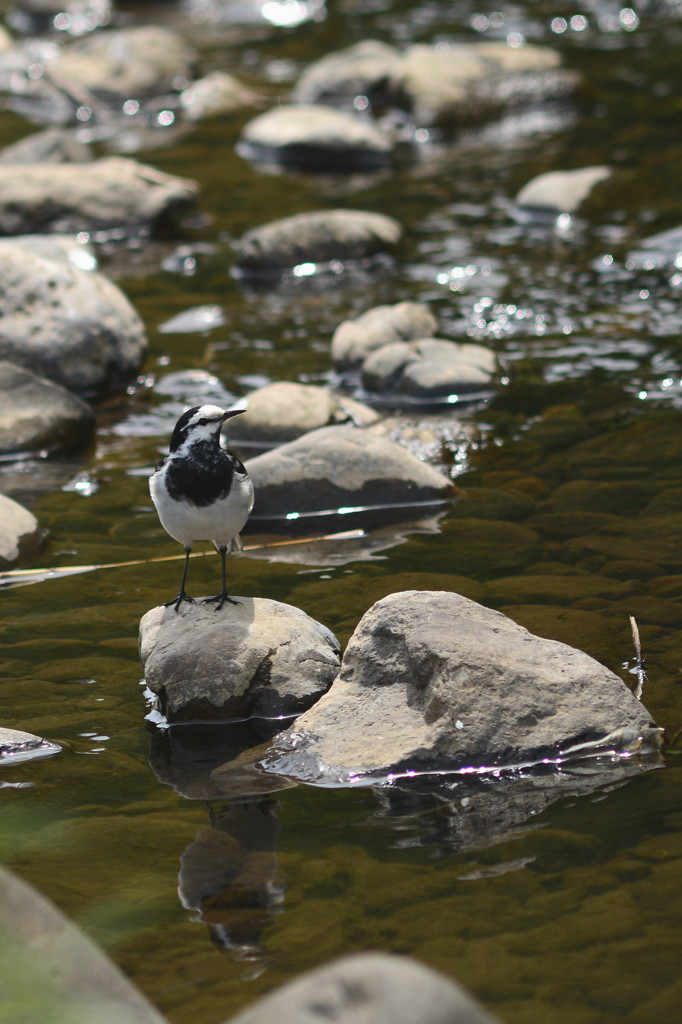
(227, 876)
(214, 762)
(456, 813)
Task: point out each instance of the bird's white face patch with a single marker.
(202, 426)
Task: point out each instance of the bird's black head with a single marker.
(200, 425)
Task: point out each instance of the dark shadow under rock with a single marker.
(216, 762)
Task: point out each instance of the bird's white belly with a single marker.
(219, 522)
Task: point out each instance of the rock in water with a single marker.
(342, 468)
(20, 534)
(433, 680)
(255, 658)
(371, 987)
(73, 326)
(317, 237)
(36, 414)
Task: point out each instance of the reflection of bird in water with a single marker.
(227, 876)
(201, 491)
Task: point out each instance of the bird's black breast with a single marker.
(203, 477)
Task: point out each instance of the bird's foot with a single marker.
(177, 601)
(219, 600)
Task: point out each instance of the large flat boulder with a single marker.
(440, 682)
(254, 658)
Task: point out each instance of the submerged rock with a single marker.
(38, 415)
(428, 368)
(561, 191)
(285, 410)
(309, 134)
(111, 193)
(662, 251)
(371, 987)
(354, 340)
(72, 326)
(255, 658)
(344, 469)
(440, 682)
(20, 534)
(318, 237)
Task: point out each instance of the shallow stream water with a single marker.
(570, 521)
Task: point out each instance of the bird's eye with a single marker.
(203, 421)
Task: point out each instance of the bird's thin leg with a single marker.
(182, 596)
(222, 597)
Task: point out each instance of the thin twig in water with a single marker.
(639, 660)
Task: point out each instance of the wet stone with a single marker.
(341, 468)
(359, 70)
(215, 94)
(318, 237)
(130, 62)
(71, 978)
(107, 194)
(20, 534)
(355, 340)
(74, 327)
(306, 134)
(437, 84)
(257, 658)
(17, 746)
(561, 191)
(285, 410)
(51, 146)
(38, 415)
(428, 368)
(440, 682)
(369, 987)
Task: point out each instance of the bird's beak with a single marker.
(232, 412)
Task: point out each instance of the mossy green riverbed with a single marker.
(570, 521)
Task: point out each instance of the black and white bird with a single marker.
(201, 491)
